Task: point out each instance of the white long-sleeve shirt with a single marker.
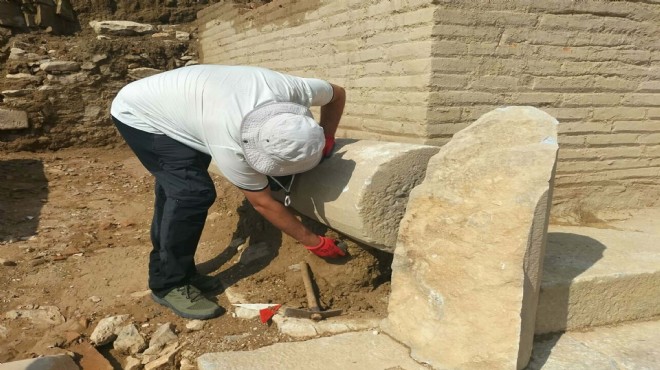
(202, 106)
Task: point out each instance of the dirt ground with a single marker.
(74, 233)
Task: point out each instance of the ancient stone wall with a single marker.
(55, 90)
(421, 70)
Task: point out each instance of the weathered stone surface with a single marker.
(466, 270)
(362, 190)
(60, 66)
(107, 329)
(68, 79)
(129, 340)
(364, 350)
(182, 36)
(59, 362)
(121, 28)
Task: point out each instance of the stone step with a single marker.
(594, 277)
(625, 347)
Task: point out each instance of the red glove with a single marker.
(329, 145)
(327, 248)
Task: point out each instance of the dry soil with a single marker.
(74, 233)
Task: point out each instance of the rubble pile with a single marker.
(56, 89)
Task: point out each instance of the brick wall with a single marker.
(419, 71)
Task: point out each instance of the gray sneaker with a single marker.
(206, 283)
(187, 301)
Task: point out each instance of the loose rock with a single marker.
(166, 360)
(162, 337)
(195, 325)
(129, 340)
(107, 329)
(40, 316)
(121, 28)
(60, 66)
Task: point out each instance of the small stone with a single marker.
(99, 58)
(191, 63)
(195, 325)
(58, 66)
(16, 53)
(162, 337)
(166, 359)
(160, 35)
(107, 329)
(40, 316)
(95, 299)
(129, 340)
(182, 36)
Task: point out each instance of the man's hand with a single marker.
(329, 145)
(327, 248)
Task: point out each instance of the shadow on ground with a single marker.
(567, 255)
(23, 192)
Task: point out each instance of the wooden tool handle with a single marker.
(312, 302)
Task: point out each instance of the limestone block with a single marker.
(466, 269)
(362, 190)
(11, 119)
(121, 28)
(60, 66)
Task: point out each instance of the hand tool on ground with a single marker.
(312, 311)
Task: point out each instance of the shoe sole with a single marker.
(163, 302)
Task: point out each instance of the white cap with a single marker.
(281, 139)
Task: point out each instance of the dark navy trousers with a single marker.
(184, 193)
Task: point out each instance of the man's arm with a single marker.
(281, 217)
(331, 112)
